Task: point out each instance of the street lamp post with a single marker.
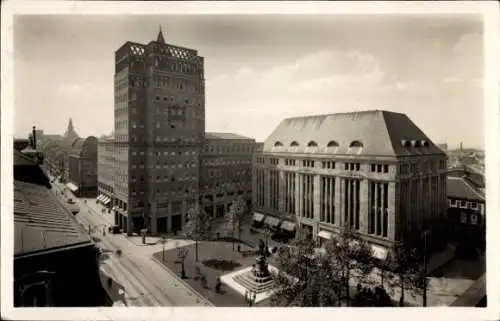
(163, 242)
(182, 253)
(267, 233)
(424, 296)
(250, 297)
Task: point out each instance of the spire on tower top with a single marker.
(160, 38)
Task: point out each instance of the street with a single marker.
(144, 281)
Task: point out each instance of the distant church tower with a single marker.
(70, 133)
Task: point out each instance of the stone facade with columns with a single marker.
(374, 170)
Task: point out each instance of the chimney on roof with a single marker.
(34, 137)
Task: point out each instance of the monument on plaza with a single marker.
(258, 279)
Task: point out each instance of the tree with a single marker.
(352, 256)
(239, 209)
(405, 271)
(198, 226)
(305, 278)
(233, 218)
(319, 277)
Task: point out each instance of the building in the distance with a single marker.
(56, 149)
(226, 171)
(105, 170)
(466, 212)
(82, 167)
(373, 170)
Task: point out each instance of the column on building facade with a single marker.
(255, 188)
(282, 191)
(317, 197)
(382, 208)
(338, 200)
(297, 195)
(184, 210)
(154, 217)
(377, 208)
(169, 217)
(364, 203)
(391, 210)
(129, 221)
(225, 208)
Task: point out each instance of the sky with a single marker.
(260, 69)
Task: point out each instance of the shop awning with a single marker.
(258, 217)
(99, 198)
(379, 252)
(325, 235)
(288, 226)
(271, 221)
(72, 187)
(106, 201)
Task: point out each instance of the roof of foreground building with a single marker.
(458, 187)
(364, 133)
(42, 223)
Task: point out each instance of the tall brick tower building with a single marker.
(159, 131)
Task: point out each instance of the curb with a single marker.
(203, 299)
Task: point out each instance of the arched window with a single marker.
(356, 143)
(425, 143)
(406, 143)
(278, 144)
(332, 143)
(416, 143)
(294, 144)
(312, 143)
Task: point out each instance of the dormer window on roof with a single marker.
(356, 143)
(278, 144)
(406, 143)
(425, 143)
(294, 144)
(312, 144)
(332, 143)
(416, 143)
(355, 147)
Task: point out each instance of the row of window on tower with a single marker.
(166, 178)
(227, 173)
(225, 162)
(177, 84)
(166, 153)
(174, 66)
(166, 165)
(233, 148)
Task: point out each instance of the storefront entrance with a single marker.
(176, 223)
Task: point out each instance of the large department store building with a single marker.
(375, 171)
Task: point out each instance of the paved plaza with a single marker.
(209, 252)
